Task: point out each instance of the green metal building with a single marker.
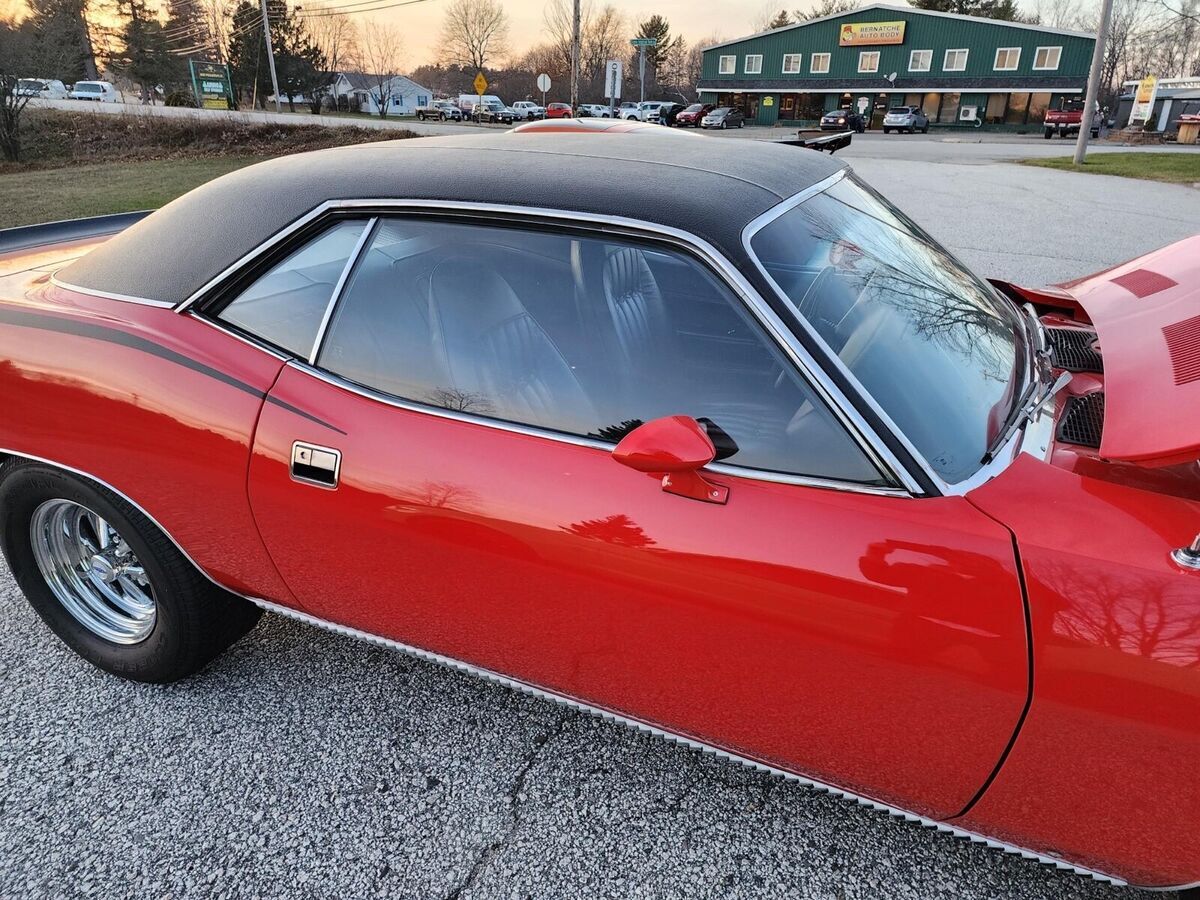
(958, 68)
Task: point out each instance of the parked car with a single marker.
(45, 88)
(906, 118)
(528, 110)
(442, 110)
(843, 120)
(723, 117)
(667, 113)
(493, 112)
(594, 111)
(693, 114)
(1068, 119)
(558, 111)
(922, 540)
(629, 110)
(99, 91)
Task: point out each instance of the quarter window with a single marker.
(955, 61)
(920, 60)
(1007, 59)
(727, 65)
(791, 63)
(285, 306)
(753, 63)
(586, 336)
(1047, 58)
(868, 61)
(819, 64)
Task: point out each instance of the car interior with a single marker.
(576, 334)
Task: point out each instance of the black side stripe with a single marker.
(26, 319)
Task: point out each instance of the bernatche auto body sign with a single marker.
(857, 34)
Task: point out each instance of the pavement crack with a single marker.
(514, 796)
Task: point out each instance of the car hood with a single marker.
(1147, 318)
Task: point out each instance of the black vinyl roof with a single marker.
(708, 186)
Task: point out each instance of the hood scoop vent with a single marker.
(1082, 420)
(1074, 349)
(1143, 282)
(1183, 343)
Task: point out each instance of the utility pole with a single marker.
(1093, 86)
(575, 16)
(271, 55)
(642, 74)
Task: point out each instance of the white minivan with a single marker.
(100, 91)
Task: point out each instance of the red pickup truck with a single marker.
(1067, 119)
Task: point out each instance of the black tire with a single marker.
(195, 620)
(887, 131)
(421, 116)
(925, 130)
(1048, 133)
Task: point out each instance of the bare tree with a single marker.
(474, 32)
(336, 38)
(380, 48)
(823, 8)
(16, 51)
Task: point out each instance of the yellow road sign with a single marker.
(480, 83)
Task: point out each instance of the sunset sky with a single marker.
(421, 22)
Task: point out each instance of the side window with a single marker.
(588, 336)
(285, 306)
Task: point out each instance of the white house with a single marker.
(403, 94)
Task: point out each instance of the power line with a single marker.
(346, 11)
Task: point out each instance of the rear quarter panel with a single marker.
(160, 406)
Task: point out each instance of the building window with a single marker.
(995, 108)
(818, 64)
(753, 63)
(868, 61)
(948, 114)
(1038, 104)
(1007, 59)
(955, 61)
(727, 65)
(920, 60)
(791, 64)
(1047, 58)
(1017, 105)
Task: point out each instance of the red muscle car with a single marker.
(742, 457)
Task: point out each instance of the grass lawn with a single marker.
(1180, 168)
(46, 195)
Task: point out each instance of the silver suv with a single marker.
(906, 118)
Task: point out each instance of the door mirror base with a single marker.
(694, 486)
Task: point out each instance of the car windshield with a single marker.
(695, 107)
(28, 84)
(87, 87)
(937, 349)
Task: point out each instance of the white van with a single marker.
(100, 91)
(466, 102)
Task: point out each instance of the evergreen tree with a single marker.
(144, 57)
(781, 20)
(60, 34)
(1005, 10)
(247, 55)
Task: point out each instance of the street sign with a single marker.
(480, 84)
(543, 82)
(614, 74)
(644, 42)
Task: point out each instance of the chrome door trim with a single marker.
(860, 431)
(1004, 455)
(578, 441)
(351, 261)
(707, 749)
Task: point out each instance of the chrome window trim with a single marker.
(1004, 455)
(367, 233)
(563, 437)
(108, 295)
(860, 431)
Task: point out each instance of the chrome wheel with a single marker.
(92, 572)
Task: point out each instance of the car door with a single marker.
(439, 473)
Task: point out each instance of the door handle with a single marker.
(312, 464)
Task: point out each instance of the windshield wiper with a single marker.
(1025, 413)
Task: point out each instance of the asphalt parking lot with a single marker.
(305, 764)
